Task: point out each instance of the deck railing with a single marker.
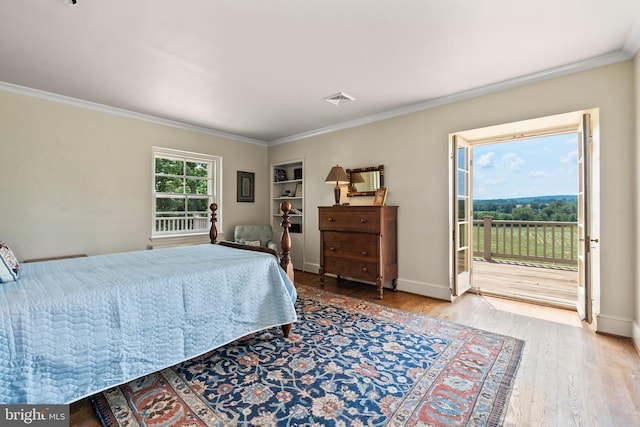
(186, 224)
(540, 241)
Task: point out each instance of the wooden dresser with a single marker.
(359, 242)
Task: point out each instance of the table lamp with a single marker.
(339, 176)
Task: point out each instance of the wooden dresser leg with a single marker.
(286, 329)
(322, 277)
(380, 287)
(394, 282)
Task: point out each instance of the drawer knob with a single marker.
(362, 220)
(365, 253)
(330, 219)
(364, 269)
(332, 249)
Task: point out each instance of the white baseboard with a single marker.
(615, 325)
(635, 335)
(310, 268)
(425, 289)
(412, 286)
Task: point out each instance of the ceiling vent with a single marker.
(339, 98)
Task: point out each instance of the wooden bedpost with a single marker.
(285, 242)
(285, 260)
(213, 232)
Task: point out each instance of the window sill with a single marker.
(173, 240)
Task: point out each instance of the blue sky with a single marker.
(544, 166)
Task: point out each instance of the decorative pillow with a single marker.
(9, 266)
(252, 242)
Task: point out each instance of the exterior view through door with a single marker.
(520, 212)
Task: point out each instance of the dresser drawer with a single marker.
(359, 243)
(350, 245)
(365, 221)
(351, 268)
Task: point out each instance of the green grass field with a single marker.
(516, 242)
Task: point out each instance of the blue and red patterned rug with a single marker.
(347, 362)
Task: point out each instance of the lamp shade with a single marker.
(337, 175)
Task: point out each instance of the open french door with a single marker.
(585, 291)
(462, 220)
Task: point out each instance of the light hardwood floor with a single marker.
(569, 375)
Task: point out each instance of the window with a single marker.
(184, 185)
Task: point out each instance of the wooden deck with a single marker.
(527, 282)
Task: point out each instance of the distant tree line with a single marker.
(535, 210)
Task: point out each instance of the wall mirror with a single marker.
(365, 181)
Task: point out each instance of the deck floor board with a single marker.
(527, 281)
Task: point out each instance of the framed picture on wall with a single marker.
(380, 196)
(279, 175)
(246, 186)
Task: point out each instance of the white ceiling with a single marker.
(260, 69)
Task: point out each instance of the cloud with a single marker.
(570, 157)
(537, 173)
(494, 181)
(512, 162)
(572, 140)
(485, 160)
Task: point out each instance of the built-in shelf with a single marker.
(289, 177)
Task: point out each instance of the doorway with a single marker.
(525, 218)
(520, 229)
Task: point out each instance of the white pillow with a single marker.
(9, 266)
(252, 242)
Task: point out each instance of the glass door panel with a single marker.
(462, 253)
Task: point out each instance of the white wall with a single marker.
(76, 180)
(414, 151)
(636, 87)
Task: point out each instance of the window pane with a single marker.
(184, 184)
(463, 261)
(197, 169)
(462, 158)
(462, 235)
(462, 184)
(462, 208)
(165, 184)
(169, 205)
(169, 166)
(198, 205)
(197, 186)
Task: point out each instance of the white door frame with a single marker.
(562, 123)
(461, 247)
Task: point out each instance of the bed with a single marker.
(73, 327)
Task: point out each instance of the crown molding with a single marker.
(587, 64)
(631, 47)
(36, 93)
(632, 44)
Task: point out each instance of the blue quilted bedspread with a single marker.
(71, 328)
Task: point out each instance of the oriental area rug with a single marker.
(347, 362)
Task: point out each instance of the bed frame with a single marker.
(51, 356)
(285, 243)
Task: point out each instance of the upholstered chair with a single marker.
(251, 234)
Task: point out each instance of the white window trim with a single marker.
(216, 194)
